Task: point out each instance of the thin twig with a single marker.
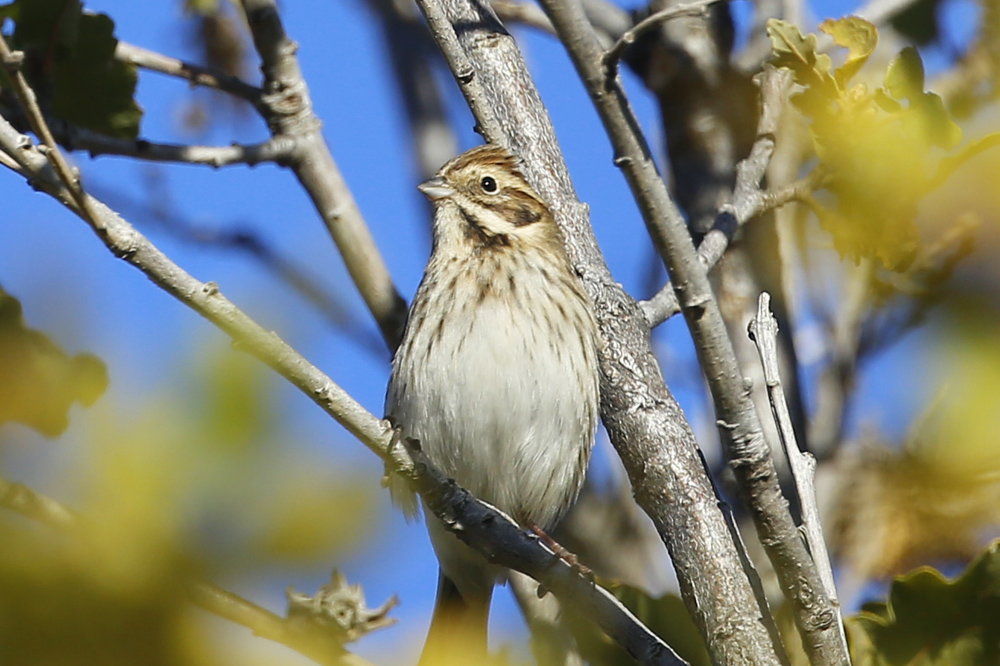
(479, 525)
(748, 200)
(663, 305)
(12, 63)
(277, 149)
(764, 333)
(613, 55)
(739, 424)
(196, 74)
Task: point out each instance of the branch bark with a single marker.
(764, 333)
(196, 74)
(739, 424)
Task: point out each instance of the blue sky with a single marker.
(72, 288)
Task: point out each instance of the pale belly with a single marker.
(507, 408)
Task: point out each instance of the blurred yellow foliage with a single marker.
(167, 491)
(938, 496)
(881, 150)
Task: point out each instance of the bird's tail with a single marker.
(458, 628)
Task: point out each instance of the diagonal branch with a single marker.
(737, 418)
(287, 108)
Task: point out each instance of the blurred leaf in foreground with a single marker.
(931, 621)
(882, 150)
(38, 381)
(70, 64)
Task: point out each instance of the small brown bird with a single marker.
(497, 373)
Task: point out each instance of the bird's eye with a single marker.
(488, 184)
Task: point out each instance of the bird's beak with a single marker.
(436, 188)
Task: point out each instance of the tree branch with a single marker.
(764, 333)
(287, 108)
(278, 149)
(643, 420)
(476, 523)
(613, 55)
(739, 424)
(196, 74)
(748, 200)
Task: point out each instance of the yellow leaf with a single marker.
(858, 36)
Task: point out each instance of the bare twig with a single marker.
(663, 305)
(196, 74)
(739, 424)
(287, 107)
(277, 149)
(481, 526)
(21, 499)
(748, 200)
(613, 55)
(764, 333)
(26, 96)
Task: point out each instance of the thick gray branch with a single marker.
(643, 419)
(739, 425)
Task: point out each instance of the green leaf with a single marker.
(9, 11)
(935, 121)
(71, 66)
(38, 381)
(904, 79)
(934, 622)
(797, 53)
(858, 36)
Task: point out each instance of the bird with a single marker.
(496, 376)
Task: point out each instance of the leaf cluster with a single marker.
(880, 148)
(39, 382)
(70, 63)
(932, 621)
